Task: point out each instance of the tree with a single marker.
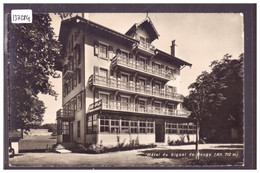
(215, 98)
(33, 56)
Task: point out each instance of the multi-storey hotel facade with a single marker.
(119, 87)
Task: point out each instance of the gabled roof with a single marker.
(148, 25)
(67, 24)
(175, 59)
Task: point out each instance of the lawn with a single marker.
(36, 143)
(210, 156)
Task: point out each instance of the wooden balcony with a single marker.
(132, 88)
(67, 73)
(145, 69)
(145, 48)
(136, 108)
(65, 114)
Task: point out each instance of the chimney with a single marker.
(173, 48)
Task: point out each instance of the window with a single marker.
(156, 67)
(133, 127)
(141, 63)
(79, 98)
(92, 124)
(102, 51)
(78, 129)
(73, 104)
(124, 54)
(142, 127)
(150, 127)
(75, 80)
(192, 129)
(171, 128)
(89, 120)
(180, 128)
(65, 128)
(74, 60)
(79, 75)
(185, 128)
(114, 126)
(69, 85)
(124, 81)
(142, 106)
(103, 76)
(157, 107)
(170, 72)
(125, 126)
(104, 98)
(142, 85)
(124, 103)
(104, 125)
(78, 57)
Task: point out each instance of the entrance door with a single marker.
(65, 131)
(104, 98)
(159, 132)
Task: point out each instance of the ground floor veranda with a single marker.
(112, 128)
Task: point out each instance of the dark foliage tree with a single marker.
(216, 100)
(33, 57)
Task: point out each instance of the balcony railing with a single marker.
(68, 73)
(136, 108)
(66, 114)
(146, 47)
(113, 83)
(141, 67)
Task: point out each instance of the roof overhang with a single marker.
(148, 25)
(67, 25)
(160, 53)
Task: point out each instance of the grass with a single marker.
(36, 143)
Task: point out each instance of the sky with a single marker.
(200, 37)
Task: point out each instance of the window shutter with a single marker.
(96, 70)
(96, 48)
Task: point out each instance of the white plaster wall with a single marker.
(111, 139)
(176, 137)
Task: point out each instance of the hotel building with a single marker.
(119, 87)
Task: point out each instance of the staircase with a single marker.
(161, 144)
(61, 149)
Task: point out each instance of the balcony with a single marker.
(137, 108)
(145, 69)
(66, 114)
(132, 88)
(145, 48)
(67, 73)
